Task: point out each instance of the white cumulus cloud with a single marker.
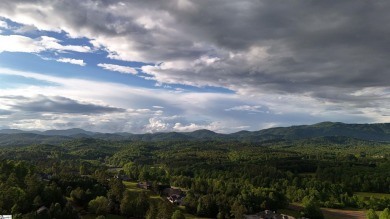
(118, 68)
(72, 61)
(54, 44)
(19, 43)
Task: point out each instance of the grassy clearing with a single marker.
(132, 186)
(331, 213)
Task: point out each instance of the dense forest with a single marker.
(94, 177)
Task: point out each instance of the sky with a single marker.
(181, 65)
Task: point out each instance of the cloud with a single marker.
(26, 29)
(19, 43)
(80, 103)
(193, 127)
(51, 43)
(57, 104)
(3, 24)
(254, 109)
(5, 112)
(72, 61)
(180, 124)
(118, 68)
(251, 47)
(157, 125)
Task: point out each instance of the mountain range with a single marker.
(370, 132)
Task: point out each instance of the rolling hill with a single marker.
(368, 132)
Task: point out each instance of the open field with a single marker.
(329, 213)
(132, 186)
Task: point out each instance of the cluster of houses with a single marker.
(267, 214)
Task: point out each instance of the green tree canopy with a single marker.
(385, 214)
(99, 205)
(371, 214)
(178, 215)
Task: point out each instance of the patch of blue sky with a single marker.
(12, 81)
(45, 62)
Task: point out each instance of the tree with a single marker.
(385, 214)
(178, 215)
(238, 210)
(99, 205)
(55, 210)
(371, 214)
(83, 169)
(207, 206)
(311, 209)
(127, 204)
(37, 202)
(117, 189)
(78, 196)
(141, 204)
(222, 215)
(152, 212)
(164, 210)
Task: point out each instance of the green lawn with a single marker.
(329, 213)
(132, 186)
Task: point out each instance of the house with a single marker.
(176, 199)
(123, 177)
(161, 187)
(172, 191)
(174, 195)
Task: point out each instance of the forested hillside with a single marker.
(370, 132)
(75, 173)
(88, 177)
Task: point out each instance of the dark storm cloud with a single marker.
(5, 112)
(42, 104)
(302, 47)
(311, 45)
